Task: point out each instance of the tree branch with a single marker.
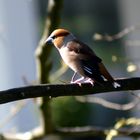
(95, 131)
(73, 131)
(44, 64)
(109, 38)
(56, 90)
(108, 104)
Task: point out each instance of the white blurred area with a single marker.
(19, 35)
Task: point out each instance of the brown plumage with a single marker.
(80, 58)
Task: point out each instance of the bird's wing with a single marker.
(89, 61)
(91, 70)
(83, 51)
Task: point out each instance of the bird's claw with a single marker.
(76, 82)
(89, 81)
(82, 80)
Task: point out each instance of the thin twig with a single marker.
(109, 38)
(108, 104)
(59, 72)
(133, 122)
(73, 131)
(95, 131)
(17, 108)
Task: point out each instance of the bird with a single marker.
(80, 58)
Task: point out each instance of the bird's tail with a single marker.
(107, 75)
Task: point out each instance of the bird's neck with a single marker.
(68, 38)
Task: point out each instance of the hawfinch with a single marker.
(80, 58)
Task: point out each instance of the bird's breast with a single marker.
(71, 59)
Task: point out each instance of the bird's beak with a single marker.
(49, 40)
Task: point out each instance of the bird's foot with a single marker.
(89, 80)
(116, 85)
(78, 81)
(72, 79)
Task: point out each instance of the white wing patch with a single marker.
(88, 70)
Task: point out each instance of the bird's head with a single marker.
(59, 37)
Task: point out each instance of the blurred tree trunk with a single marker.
(43, 62)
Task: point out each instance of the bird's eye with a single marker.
(53, 37)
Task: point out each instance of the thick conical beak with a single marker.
(49, 40)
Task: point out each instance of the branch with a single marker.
(134, 123)
(44, 64)
(96, 131)
(109, 38)
(73, 131)
(56, 90)
(108, 104)
(13, 113)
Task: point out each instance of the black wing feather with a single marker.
(91, 70)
